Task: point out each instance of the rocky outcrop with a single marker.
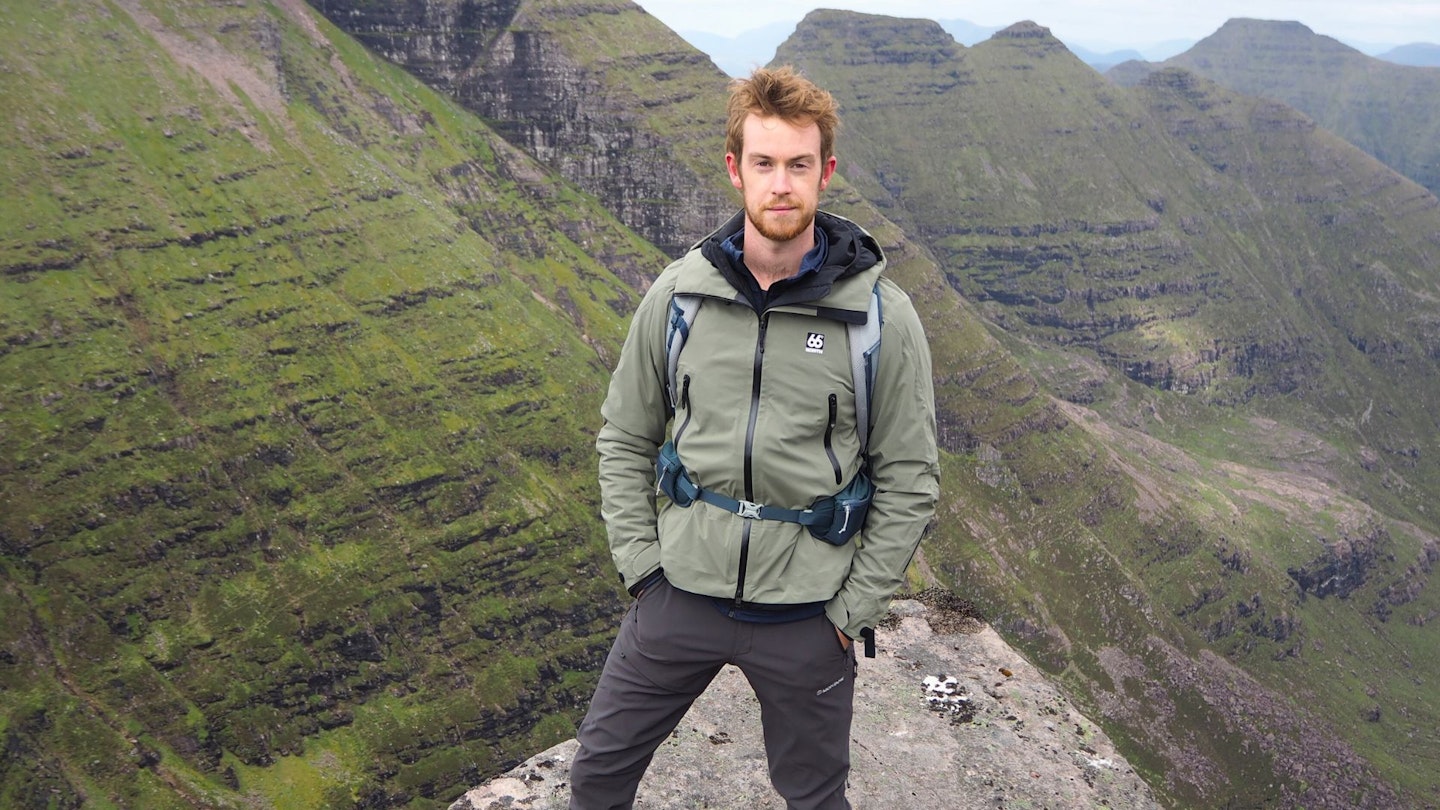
(437, 40)
(946, 716)
(545, 101)
(1344, 566)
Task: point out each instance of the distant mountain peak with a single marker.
(1416, 54)
(923, 32)
(1031, 39)
(1243, 31)
(1276, 26)
(871, 38)
(1387, 109)
(1025, 29)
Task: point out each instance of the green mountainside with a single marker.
(1239, 310)
(1390, 110)
(301, 365)
(299, 372)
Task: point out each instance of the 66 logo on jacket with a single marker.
(815, 343)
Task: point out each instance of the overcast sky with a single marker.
(1088, 22)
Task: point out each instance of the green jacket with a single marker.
(765, 417)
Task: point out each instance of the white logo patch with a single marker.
(815, 343)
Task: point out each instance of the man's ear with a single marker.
(732, 165)
(828, 172)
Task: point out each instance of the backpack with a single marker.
(864, 340)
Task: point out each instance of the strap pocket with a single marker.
(671, 479)
(849, 507)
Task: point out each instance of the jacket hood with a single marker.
(852, 252)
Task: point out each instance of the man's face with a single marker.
(780, 175)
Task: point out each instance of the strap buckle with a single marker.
(748, 510)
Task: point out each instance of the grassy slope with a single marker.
(300, 366)
(1058, 204)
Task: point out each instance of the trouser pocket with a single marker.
(674, 638)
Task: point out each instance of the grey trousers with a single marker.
(670, 646)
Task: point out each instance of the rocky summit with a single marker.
(947, 715)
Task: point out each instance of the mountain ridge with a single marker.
(1097, 241)
(1416, 54)
(1378, 105)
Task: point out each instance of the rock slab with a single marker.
(947, 716)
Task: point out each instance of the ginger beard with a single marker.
(780, 176)
(780, 220)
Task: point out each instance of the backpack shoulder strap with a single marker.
(677, 329)
(864, 339)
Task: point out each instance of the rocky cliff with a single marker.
(601, 92)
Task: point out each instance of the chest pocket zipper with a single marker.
(829, 437)
(685, 404)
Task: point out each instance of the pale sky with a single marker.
(1088, 22)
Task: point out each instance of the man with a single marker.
(763, 419)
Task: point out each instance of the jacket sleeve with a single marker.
(904, 465)
(629, 440)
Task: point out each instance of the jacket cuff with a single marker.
(646, 581)
(839, 616)
(639, 560)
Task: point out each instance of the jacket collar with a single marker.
(852, 254)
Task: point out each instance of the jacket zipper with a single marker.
(755, 377)
(829, 433)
